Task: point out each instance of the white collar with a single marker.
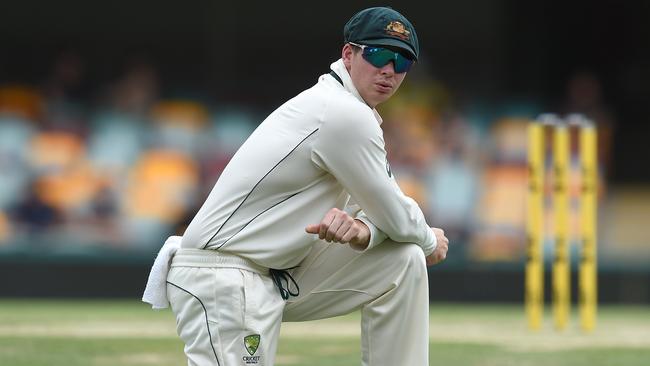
(339, 68)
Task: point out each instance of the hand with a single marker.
(339, 227)
(440, 253)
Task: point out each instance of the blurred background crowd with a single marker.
(123, 167)
(115, 123)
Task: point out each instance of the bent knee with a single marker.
(411, 255)
(413, 252)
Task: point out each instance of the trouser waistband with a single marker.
(214, 259)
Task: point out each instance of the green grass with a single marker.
(128, 333)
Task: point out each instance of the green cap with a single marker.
(382, 26)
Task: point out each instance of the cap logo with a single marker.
(397, 29)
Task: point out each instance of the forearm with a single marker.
(351, 148)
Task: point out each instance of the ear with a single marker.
(346, 55)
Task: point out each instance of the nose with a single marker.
(388, 69)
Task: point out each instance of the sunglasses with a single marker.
(380, 57)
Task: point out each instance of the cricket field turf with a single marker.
(128, 333)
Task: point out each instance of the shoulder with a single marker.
(345, 113)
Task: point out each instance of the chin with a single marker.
(377, 98)
(383, 98)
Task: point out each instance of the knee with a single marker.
(410, 256)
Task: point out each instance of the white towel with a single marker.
(156, 291)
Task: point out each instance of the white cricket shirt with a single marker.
(316, 151)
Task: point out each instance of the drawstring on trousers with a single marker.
(281, 276)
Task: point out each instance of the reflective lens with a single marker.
(379, 57)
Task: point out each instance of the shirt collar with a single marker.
(339, 68)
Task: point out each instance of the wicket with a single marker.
(561, 206)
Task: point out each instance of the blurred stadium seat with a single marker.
(178, 125)
(115, 141)
(161, 188)
(15, 136)
(21, 101)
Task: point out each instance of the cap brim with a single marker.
(391, 42)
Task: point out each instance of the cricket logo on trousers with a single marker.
(251, 342)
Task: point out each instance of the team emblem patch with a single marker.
(252, 342)
(398, 30)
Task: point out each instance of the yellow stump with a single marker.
(588, 218)
(534, 295)
(561, 264)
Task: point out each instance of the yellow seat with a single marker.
(56, 149)
(21, 100)
(161, 185)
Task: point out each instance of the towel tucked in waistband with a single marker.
(155, 293)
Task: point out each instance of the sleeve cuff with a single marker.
(428, 249)
(376, 236)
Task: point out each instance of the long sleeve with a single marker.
(376, 235)
(350, 146)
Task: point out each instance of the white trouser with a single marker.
(228, 311)
(218, 305)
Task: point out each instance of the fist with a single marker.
(339, 227)
(440, 253)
